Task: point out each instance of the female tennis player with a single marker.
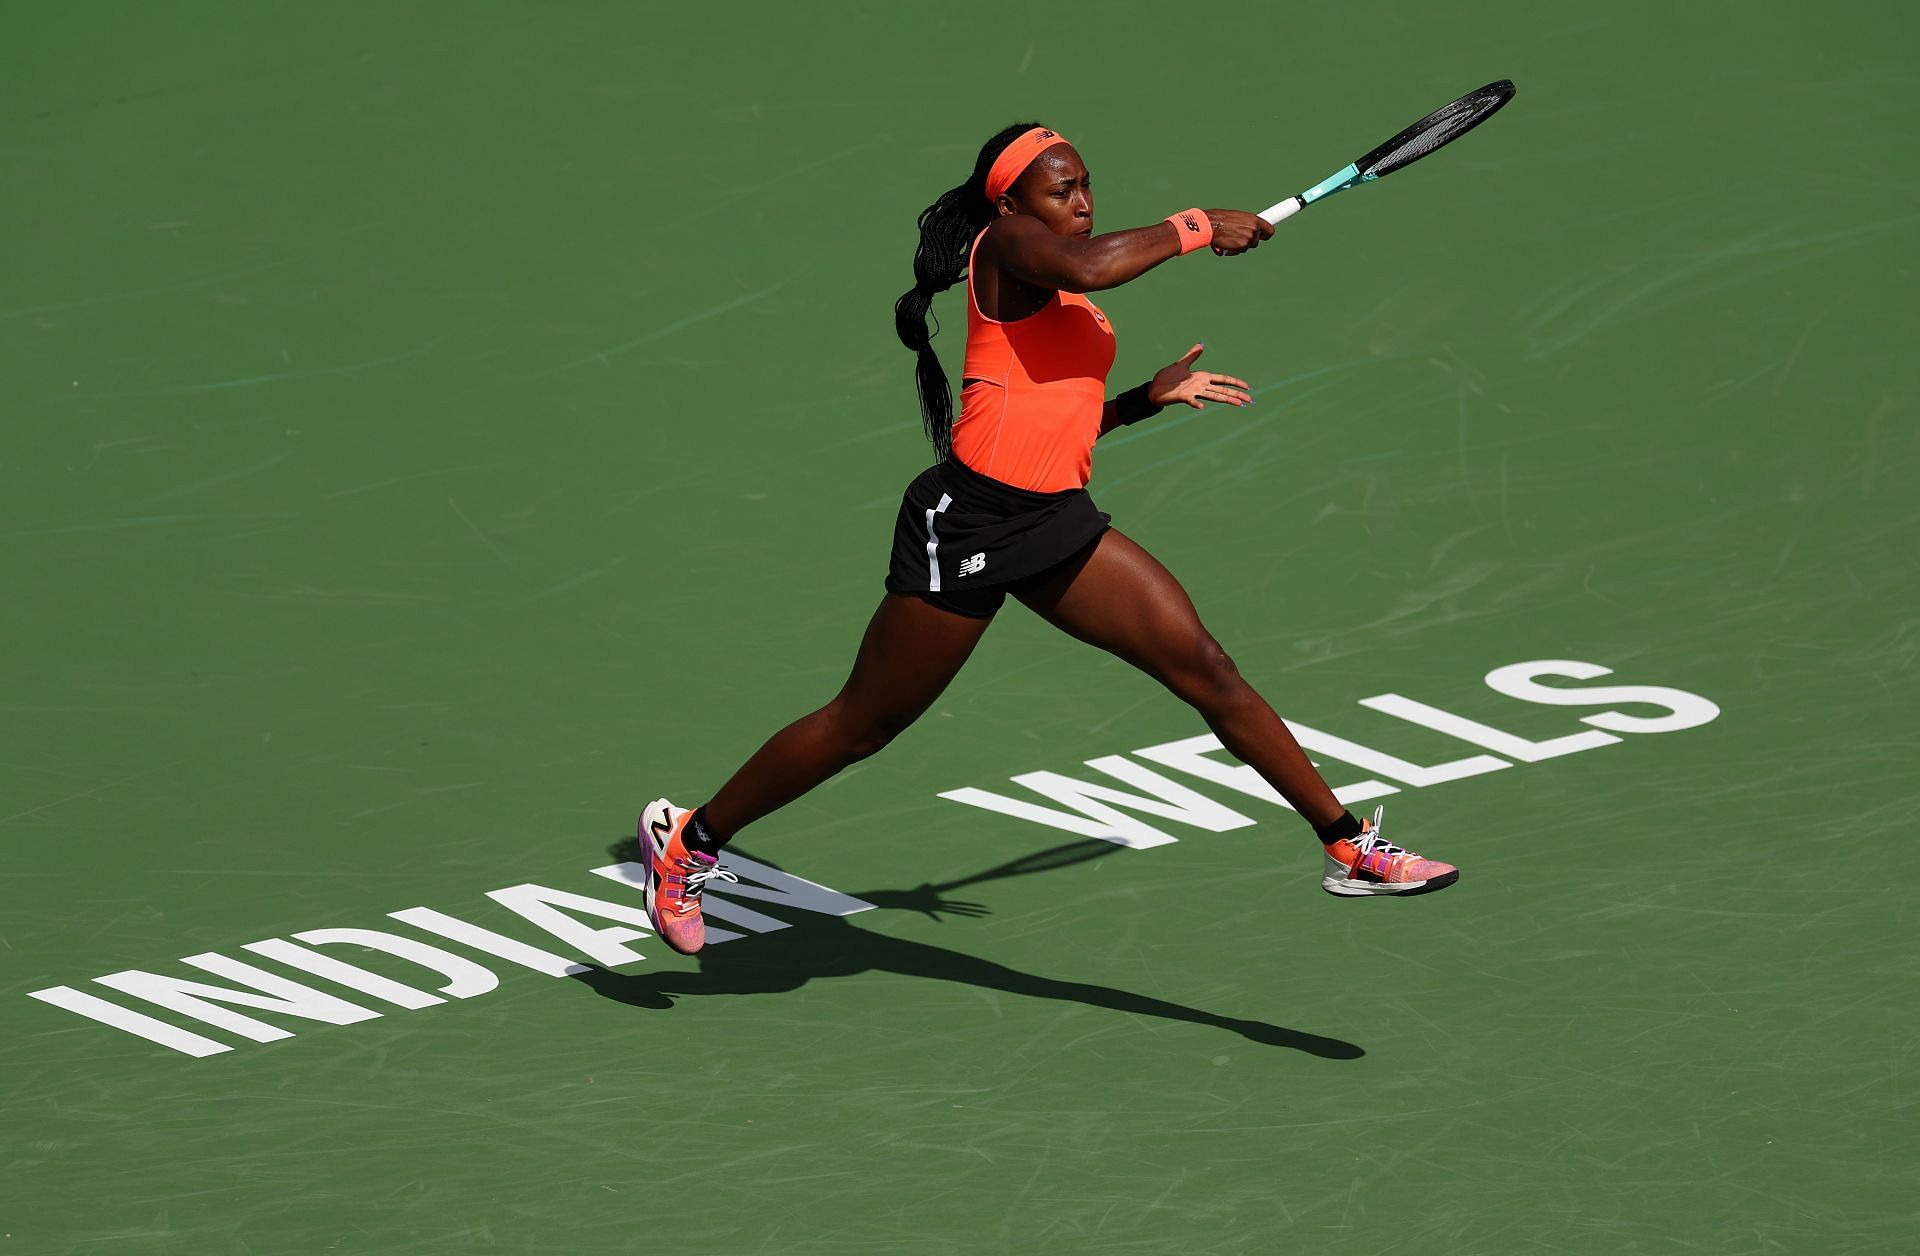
(1006, 511)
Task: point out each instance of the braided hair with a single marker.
(947, 229)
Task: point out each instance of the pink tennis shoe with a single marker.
(676, 876)
(1369, 864)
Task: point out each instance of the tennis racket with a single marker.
(1430, 134)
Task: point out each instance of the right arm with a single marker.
(1023, 247)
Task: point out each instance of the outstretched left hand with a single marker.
(1180, 382)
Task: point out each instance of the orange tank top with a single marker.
(1032, 412)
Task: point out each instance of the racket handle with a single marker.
(1284, 210)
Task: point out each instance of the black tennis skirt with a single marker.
(964, 540)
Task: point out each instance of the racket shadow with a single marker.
(819, 946)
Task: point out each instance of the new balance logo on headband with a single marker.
(974, 565)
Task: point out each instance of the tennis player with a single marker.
(1006, 511)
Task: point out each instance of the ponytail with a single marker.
(947, 230)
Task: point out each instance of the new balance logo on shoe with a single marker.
(973, 566)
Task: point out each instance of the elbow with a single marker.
(1090, 268)
(1091, 277)
(1081, 279)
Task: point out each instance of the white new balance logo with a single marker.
(972, 566)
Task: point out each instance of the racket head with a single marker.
(1435, 131)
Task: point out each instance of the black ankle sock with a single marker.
(1345, 827)
(698, 836)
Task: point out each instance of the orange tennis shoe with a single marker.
(1369, 864)
(676, 876)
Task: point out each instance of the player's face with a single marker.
(1058, 191)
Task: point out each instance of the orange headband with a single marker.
(1017, 156)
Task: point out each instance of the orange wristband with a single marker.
(1195, 228)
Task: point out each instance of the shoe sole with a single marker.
(1381, 889)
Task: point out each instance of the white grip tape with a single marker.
(1285, 209)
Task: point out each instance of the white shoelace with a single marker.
(697, 881)
(1371, 843)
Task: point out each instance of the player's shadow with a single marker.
(833, 946)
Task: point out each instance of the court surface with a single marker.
(431, 433)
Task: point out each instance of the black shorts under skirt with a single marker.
(963, 540)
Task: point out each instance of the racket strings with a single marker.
(1439, 128)
(1418, 146)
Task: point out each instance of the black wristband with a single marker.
(1132, 405)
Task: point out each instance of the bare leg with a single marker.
(1118, 597)
(911, 650)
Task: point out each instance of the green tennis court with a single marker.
(432, 431)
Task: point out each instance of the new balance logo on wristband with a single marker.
(1192, 225)
(974, 565)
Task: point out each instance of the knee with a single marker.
(864, 734)
(1206, 676)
